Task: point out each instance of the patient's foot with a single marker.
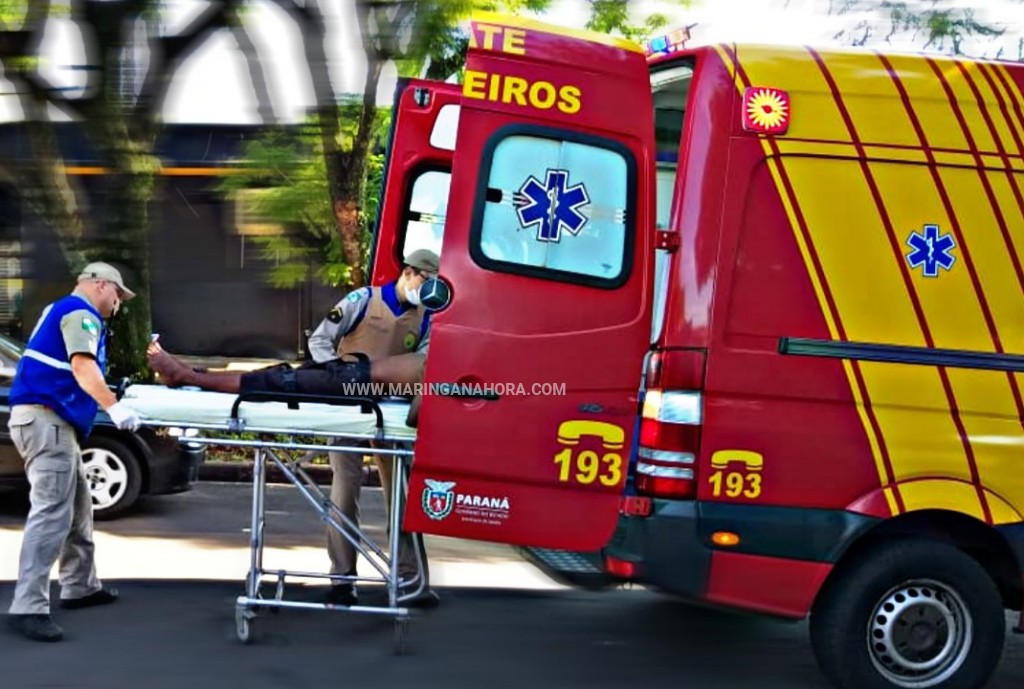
(172, 372)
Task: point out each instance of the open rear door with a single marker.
(534, 366)
(416, 180)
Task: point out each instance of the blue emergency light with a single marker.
(666, 44)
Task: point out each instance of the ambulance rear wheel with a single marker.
(912, 614)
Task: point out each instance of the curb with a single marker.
(241, 472)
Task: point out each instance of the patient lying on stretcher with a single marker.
(337, 377)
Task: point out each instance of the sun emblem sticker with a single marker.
(931, 250)
(766, 110)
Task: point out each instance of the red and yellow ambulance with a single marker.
(742, 323)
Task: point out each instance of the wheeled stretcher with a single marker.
(303, 419)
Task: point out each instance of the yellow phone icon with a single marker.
(751, 461)
(612, 436)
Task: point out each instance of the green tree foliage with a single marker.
(287, 168)
(614, 17)
(423, 38)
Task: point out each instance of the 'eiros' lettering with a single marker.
(503, 88)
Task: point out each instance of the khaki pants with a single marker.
(345, 488)
(59, 524)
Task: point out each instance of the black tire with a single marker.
(921, 581)
(114, 492)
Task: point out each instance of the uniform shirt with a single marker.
(346, 316)
(67, 327)
(425, 340)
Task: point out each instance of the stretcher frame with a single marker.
(266, 454)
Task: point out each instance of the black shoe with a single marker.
(36, 627)
(342, 594)
(101, 597)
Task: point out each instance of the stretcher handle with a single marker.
(293, 399)
(119, 387)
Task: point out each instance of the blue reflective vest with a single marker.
(44, 373)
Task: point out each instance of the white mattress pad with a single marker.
(191, 407)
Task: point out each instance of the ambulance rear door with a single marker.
(534, 365)
(414, 195)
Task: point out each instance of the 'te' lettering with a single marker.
(512, 40)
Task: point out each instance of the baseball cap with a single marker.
(425, 260)
(105, 271)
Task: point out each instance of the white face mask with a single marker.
(412, 296)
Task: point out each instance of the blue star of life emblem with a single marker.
(931, 250)
(552, 206)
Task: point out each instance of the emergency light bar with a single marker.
(667, 44)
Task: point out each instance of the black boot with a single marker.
(36, 627)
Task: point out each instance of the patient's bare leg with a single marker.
(175, 373)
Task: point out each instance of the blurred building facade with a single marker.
(209, 292)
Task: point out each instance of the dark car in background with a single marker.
(120, 466)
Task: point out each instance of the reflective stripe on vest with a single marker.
(48, 360)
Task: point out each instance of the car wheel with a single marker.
(114, 476)
(912, 614)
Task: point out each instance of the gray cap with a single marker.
(105, 271)
(425, 260)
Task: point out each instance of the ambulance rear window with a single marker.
(557, 206)
(426, 212)
(670, 88)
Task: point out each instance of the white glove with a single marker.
(125, 418)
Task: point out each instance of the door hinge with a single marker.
(667, 240)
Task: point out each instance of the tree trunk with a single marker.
(347, 183)
(126, 244)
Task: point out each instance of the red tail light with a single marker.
(625, 569)
(670, 426)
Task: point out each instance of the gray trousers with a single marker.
(346, 483)
(59, 524)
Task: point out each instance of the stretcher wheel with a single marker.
(244, 619)
(401, 634)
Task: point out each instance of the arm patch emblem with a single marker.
(335, 315)
(358, 294)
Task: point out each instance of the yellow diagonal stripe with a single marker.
(863, 269)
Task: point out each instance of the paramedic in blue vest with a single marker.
(380, 322)
(58, 386)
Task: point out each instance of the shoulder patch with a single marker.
(335, 315)
(90, 326)
(359, 294)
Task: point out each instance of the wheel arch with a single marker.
(982, 542)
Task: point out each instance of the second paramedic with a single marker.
(57, 389)
(378, 322)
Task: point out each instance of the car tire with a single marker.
(913, 614)
(114, 475)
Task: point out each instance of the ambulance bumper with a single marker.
(665, 548)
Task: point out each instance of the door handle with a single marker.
(473, 391)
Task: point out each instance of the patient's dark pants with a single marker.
(334, 377)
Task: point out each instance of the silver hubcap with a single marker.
(920, 634)
(107, 477)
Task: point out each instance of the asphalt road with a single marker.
(179, 564)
